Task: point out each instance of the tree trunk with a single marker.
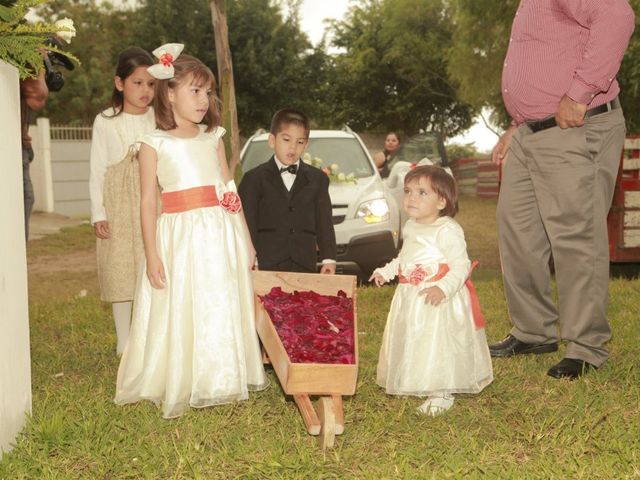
(226, 85)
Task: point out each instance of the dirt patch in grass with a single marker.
(78, 261)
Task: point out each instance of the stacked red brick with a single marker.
(465, 171)
(488, 184)
(477, 177)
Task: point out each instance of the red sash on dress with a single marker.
(418, 274)
(189, 199)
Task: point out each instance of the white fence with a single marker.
(60, 170)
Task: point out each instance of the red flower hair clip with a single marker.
(166, 54)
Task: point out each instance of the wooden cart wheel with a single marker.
(327, 421)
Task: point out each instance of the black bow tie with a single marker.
(293, 169)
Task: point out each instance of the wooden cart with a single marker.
(302, 380)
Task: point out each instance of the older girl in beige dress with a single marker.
(114, 184)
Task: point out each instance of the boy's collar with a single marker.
(279, 164)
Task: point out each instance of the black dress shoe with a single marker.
(570, 368)
(511, 346)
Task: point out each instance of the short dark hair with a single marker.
(442, 184)
(288, 116)
(187, 69)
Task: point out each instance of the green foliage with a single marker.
(21, 42)
(629, 77)
(457, 151)
(393, 72)
(480, 38)
(102, 33)
(269, 61)
(273, 63)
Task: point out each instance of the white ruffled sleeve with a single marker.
(390, 270)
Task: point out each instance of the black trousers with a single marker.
(288, 266)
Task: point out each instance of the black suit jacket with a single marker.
(288, 224)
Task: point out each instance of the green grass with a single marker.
(524, 425)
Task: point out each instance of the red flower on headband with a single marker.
(231, 202)
(166, 59)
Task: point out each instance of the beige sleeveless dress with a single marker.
(119, 256)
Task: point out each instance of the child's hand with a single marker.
(433, 295)
(101, 229)
(328, 268)
(155, 272)
(377, 279)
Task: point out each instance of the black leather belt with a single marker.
(550, 122)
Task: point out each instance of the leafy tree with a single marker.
(393, 74)
(102, 32)
(269, 55)
(456, 151)
(629, 77)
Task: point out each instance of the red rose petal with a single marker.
(302, 322)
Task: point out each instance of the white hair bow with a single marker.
(165, 54)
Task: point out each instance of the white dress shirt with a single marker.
(287, 177)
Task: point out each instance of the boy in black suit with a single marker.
(286, 203)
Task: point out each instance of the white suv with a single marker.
(365, 217)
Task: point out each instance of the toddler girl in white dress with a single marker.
(434, 343)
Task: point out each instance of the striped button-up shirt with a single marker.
(564, 47)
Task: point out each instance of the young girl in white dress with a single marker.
(114, 184)
(434, 343)
(193, 340)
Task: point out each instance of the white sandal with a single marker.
(436, 405)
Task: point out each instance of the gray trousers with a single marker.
(27, 188)
(556, 191)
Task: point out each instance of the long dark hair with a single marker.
(128, 60)
(187, 69)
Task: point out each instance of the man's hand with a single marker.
(570, 113)
(35, 91)
(499, 154)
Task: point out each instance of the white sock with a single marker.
(436, 405)
(122, 320)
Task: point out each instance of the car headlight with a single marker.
(374, 211)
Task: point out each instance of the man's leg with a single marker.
(525, 250)
(574, 173)
(27, 188)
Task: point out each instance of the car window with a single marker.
(418, 147)
(347, 153)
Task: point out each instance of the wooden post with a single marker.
(226, 84)
(328, 422)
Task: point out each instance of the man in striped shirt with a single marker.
(560, 159)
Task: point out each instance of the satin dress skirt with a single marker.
(193, 343)
(431, 350)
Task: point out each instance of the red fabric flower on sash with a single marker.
(231, 202)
